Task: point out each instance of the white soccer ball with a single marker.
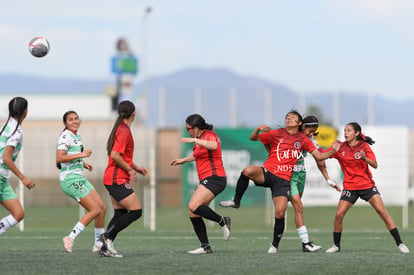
(39, 46)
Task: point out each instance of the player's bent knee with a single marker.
(136, 214)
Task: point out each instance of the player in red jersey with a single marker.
(286, 146)
(210, 170)
(121, 170)
(355, 156)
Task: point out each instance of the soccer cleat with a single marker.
(403, 248)
(333, 249)
(229, 203)
(68, 243)
(272, 250)
(201, 250)
(310, 247)
(226, 228)
(107, 243)
(104, 252)
(97, 246)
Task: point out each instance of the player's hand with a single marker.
(176, 162)
(336, 145)
(333, 185)
(86, 153)
(264, 128)
(88, 166)
(186, 140)
(28, 183)
(141, 170)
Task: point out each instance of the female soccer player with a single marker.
(69, 159)
(354, 156)
(210, 170)
(121, 170)
(286, 146)
(11, 138)
(297, 183)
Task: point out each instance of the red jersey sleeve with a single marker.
(369, 153)
(308, 145)
(121, 139)
(267, 137)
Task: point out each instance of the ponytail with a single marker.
(361, 136)
(125, 110)
(196, 120)
(17, 108)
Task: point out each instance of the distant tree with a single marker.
(316, 111)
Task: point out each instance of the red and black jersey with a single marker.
(357, 175)
(208, 162)
(286, 149)
(124, 144)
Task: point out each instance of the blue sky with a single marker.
(365, 46)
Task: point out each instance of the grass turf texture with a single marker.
(367, 247)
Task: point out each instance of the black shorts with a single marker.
(353, 195)
(279, 186)
(119, 192)
(215, 184)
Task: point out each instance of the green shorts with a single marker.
(297, 182)
(6, 191)
(76, 186)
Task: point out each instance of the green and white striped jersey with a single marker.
(72, 144)
(7, 139)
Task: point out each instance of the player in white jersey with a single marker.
(309, 127)
(11, 139)
(69, 159)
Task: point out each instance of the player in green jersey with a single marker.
(11, 138)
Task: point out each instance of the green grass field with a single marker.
(367, 247)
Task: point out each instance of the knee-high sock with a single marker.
(117, 213)
(77, 229)
(337, 238)
(241, 187)
(208, 213)
(123, 222)
(303, 234)
(278, 231)
(6, 223)
(200, 230)
(396, 235)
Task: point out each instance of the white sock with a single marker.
(303, 234)
(77, 229)
(6, 223)
(98, 232)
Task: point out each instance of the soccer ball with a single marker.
(39, 46)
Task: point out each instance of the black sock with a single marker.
(396, 235)
(241, 187)
(200, 230)
(337, 238)
(278, 229)
(123, 221)
(208, 213)
(117, 213)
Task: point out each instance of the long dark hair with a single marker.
(125, 110)
(65, 117)
(196, 120)
(361, 136)
(17, 107)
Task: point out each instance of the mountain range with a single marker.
(225, 98)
